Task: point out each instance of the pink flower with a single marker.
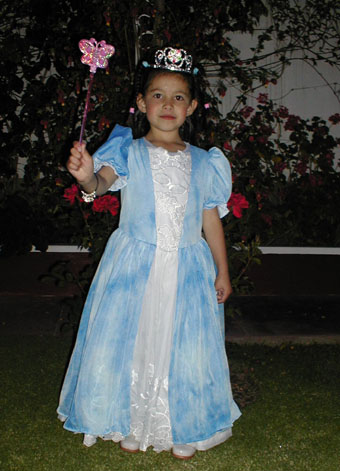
(104, 204)
(335, 118)
(263, 98)
(251, 138)
(292, 122)
(246, 111)
(283, 112)
(237, 203)
(72, 193)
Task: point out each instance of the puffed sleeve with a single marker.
(219, 183)
(114, 153)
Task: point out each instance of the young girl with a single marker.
(149, 366)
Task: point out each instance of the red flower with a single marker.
(104, 204)
(167, 35)
(301, 168)
(221, 91)
(279, 167)
(61, 97)
(227, 146)
(72, 193)
(240, 151)
(262, 139)
(329, 157)
(315, 181)
(107, 17)
(267, 218)
(237, 203)
(103, 122)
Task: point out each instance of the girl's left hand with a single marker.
(223, 288)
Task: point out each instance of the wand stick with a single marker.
(94, 55)
(86, 108)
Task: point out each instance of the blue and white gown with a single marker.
(149, 359)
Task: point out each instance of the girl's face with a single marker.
(167, 102)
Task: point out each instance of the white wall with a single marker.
(303, 90)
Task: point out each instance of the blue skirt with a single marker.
(95, 398)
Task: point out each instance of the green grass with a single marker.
(293, 424)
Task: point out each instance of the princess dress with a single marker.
(149, 361)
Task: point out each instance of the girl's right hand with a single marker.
(80, 164)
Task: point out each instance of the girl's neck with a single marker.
(170, 142)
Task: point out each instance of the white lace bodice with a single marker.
(171, 178)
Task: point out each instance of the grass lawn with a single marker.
(293, 425)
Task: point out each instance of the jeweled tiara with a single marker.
(176, 60)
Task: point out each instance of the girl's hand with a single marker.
(223, 288)
(80, 164)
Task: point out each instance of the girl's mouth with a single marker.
(167, 117)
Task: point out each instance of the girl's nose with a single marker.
(168, 103)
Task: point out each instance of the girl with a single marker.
(149, 366)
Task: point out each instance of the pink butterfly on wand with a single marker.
(95, 54)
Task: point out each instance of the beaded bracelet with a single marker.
(89, 197)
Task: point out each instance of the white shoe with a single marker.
(183, 452)
(130, 445)
(89, 440)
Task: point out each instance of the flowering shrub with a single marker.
(88, 225)
(284, 166)
(286, 186)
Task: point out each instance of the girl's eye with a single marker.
(179, 98)
(157, 95)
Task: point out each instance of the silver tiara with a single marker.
(176, 60)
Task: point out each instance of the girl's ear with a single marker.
(192, 107)
(141, 103)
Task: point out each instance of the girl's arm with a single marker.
(80, 165)
(214, 235)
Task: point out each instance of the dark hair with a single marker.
(144, 76)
